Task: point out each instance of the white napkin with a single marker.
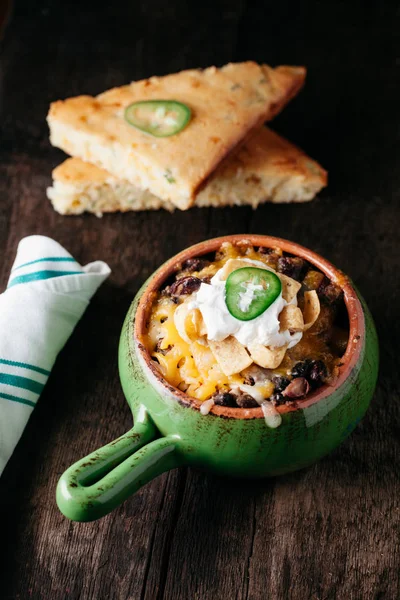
(47, 293)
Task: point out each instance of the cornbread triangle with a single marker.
(267, 168)
(227, 104)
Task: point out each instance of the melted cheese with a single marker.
(191, 367)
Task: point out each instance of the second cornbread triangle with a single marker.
(227, 104)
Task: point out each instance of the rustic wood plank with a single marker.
(5, 213)
(217, 520)
(111, 558)
(330, 532)
(326, 533)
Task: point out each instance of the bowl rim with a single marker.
(352, 302)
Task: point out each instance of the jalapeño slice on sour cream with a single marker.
(160, 118)
(250, 291)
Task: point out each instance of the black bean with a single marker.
(317, 373)
(195, 264)
(262, 250)
(297, 388)
(280, 382)
(329, 292)
(225, 399)
(246, 401)
(278, 399)
(184, 286)
(301, 369)
(292, 266)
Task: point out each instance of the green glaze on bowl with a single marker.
(170, 431)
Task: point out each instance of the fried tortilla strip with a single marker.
(227, 106)
(203, 358)
(189, 322)
(230, 355)
(290, 287)
(198, 322)
(311, 309)
(291, 319)
(267, 357)
(181, 318)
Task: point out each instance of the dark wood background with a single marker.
(330, 532)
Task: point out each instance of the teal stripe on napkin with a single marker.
(13, 363)
(22, 382)
(39, 275)
(17, 399)
(48, 259)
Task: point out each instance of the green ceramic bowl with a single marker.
(169, 430)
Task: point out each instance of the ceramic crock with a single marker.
(169, 430)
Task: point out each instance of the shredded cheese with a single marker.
(189, 365)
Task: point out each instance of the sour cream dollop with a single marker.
(264, 329)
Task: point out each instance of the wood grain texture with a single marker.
(330, 532)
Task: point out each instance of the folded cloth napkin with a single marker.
(47, 293)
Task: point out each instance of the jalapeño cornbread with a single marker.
(267, 168)
(225, 106)
(248, 327)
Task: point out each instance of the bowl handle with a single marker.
(98, 483)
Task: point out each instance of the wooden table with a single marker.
(330, 532)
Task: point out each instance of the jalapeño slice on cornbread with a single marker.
(161, 118)
(226, 105)
(267, 168)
